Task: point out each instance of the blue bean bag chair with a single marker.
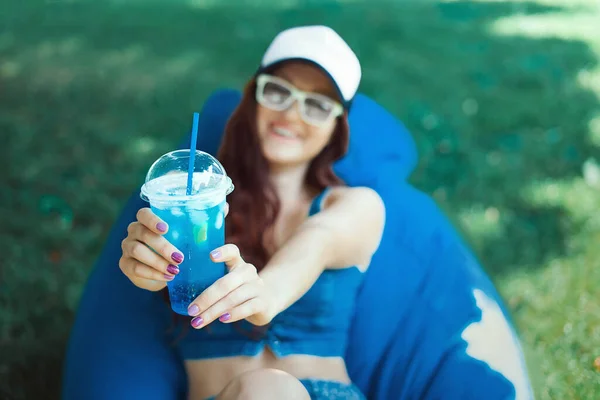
(428, 323)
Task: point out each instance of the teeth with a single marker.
(284, 132)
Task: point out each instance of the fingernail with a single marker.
(177, 257)
(225, 317)
(169, 277)
(196, 322)
(172, 269)
(193, 310)
(215, 254)
(161, 226)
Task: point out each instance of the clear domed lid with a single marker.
(167, 180)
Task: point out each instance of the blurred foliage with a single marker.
(502, 98)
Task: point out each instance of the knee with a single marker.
(264, 384)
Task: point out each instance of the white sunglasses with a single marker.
(279, 95)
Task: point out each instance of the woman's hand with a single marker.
(240, 294)
(148, 259)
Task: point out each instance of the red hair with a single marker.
(254, 204)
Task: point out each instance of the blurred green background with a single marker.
(502, 98)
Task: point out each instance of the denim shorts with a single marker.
(329, 390)
(326, 390)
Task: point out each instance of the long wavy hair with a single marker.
(254, 204)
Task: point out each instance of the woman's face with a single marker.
(286, 138)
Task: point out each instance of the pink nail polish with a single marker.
(172, 269)
(196, 322)
(169, 277)
(225, 317)
(161, 226)
(177, 257)
(193, 310)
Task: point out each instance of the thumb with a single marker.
(226, 209)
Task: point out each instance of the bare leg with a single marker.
(264, 384)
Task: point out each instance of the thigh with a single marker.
(264, 384)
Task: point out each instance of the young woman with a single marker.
(299, 241)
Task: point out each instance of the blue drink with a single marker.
(195, 232)
(196, 221)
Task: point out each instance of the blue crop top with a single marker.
(316, 324)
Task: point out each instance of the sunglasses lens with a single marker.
(275, 95)
(318, 110)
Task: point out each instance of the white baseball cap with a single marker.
(323, 47)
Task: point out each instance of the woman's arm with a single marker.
(346, 232)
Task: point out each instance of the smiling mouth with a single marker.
(283, 133)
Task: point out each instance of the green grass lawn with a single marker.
(502, 98)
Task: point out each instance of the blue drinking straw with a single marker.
(192, 153)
